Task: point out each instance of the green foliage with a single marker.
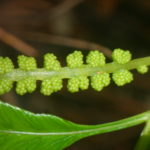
(23, 130)
(45, 132)
(78, 74)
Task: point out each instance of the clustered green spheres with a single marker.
(76, 83)
(121, 56)
(26, 63)
(100, 80)
(54, 84)
(122, 77)
(75, 60)
(142, 69)
(24, 86)
(5, 86)
(50, 86)
(6, 66)
(95, 58)
(51, 62)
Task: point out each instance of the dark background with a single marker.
(60, 26)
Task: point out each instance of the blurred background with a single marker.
(36, 27)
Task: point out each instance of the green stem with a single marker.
(118, 125)
(66, 72)
(144, 140)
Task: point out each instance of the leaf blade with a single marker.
(23, 130)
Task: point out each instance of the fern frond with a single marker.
(95, 72)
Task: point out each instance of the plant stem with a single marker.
(144, 140)
(118, 125)
(66, 72)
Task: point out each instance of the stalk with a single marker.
(144, 140)
(66, 72)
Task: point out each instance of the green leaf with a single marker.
(23, 130)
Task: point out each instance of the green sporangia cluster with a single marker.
(142, 69)
(123, 76)
(75, 60)
(81, 81)
(6, 66)
(100, 79)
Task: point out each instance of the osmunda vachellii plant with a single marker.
(47, 132)
(95, 72)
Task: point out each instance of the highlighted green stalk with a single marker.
(66, 72)
(144, 140)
